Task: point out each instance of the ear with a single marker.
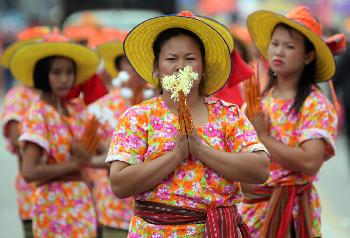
(155, 73)
(309, 57)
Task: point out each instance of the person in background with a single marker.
(298, 124)
(51, 143)
(16, 102)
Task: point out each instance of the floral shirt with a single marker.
(15, 104)
(61, 208)
(317, 120)
(111, 211)
(147, 131)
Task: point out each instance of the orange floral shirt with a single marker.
(111, 211)
(148, 130)
(316, 120)
(15, 104)
(61, 208)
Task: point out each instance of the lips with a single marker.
(277, 62)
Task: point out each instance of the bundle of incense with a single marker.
(90, 137)
(185, 118)
(252, 95)
(335, 98)
(180, 84)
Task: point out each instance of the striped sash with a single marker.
(222, 222)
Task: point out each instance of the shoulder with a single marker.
(144, 109)
(223, 109)
(317, 101)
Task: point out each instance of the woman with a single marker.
(53, 156)
(15, 104)
(193, 178)
(299, 128)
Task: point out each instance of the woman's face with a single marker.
(286, 52)
(61, 76)
(178, 52)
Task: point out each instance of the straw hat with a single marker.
(139, 42)
(25, 58)
(108, 52)
(223, 31)
(27, 36)
(262, 23)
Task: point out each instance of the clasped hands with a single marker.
(189, 145)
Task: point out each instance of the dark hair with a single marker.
(118, 61)
(41, 73)
(307, 79)
(166, 35)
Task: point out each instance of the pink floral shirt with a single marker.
(317, 120)
(147, 131)
(15, 104)
(111, 211)
(61, 208)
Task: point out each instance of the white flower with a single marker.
(181, 81)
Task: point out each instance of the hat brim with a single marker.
(24, 59)
(223, 31)
(139, 42)
(108, 52)
(9, 51)
(261, 25)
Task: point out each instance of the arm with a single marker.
(34, 171)
(306, 159)
(243, 167)
(127, 180)
(98, 160)
(12, 133)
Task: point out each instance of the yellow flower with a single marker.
(181, 81)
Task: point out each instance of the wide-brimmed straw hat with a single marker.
(139, 42)
(25, 58)
(108, 52)
(262, 23)
(27, 36)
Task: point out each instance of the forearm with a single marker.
(43, 172)
(98, 161)
(243, 167)
(292, 158)
(127, 180)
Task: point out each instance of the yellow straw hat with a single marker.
(262, 23)
(139, 42)
(29, 35)
(25, 58)
(108, 52)
(223, 30)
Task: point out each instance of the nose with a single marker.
(64, 78)
(180, 64)
(279, 50)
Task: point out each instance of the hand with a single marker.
(261, 124)
(195, 144)
(181, 149)
(79, 154)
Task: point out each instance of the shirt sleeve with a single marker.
(129, 140)
(12, 108)
(33, 129)
(319, 121)
(240, 133)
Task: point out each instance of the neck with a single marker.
(286, 86)
(54, 101)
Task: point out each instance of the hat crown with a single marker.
(303, 16)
